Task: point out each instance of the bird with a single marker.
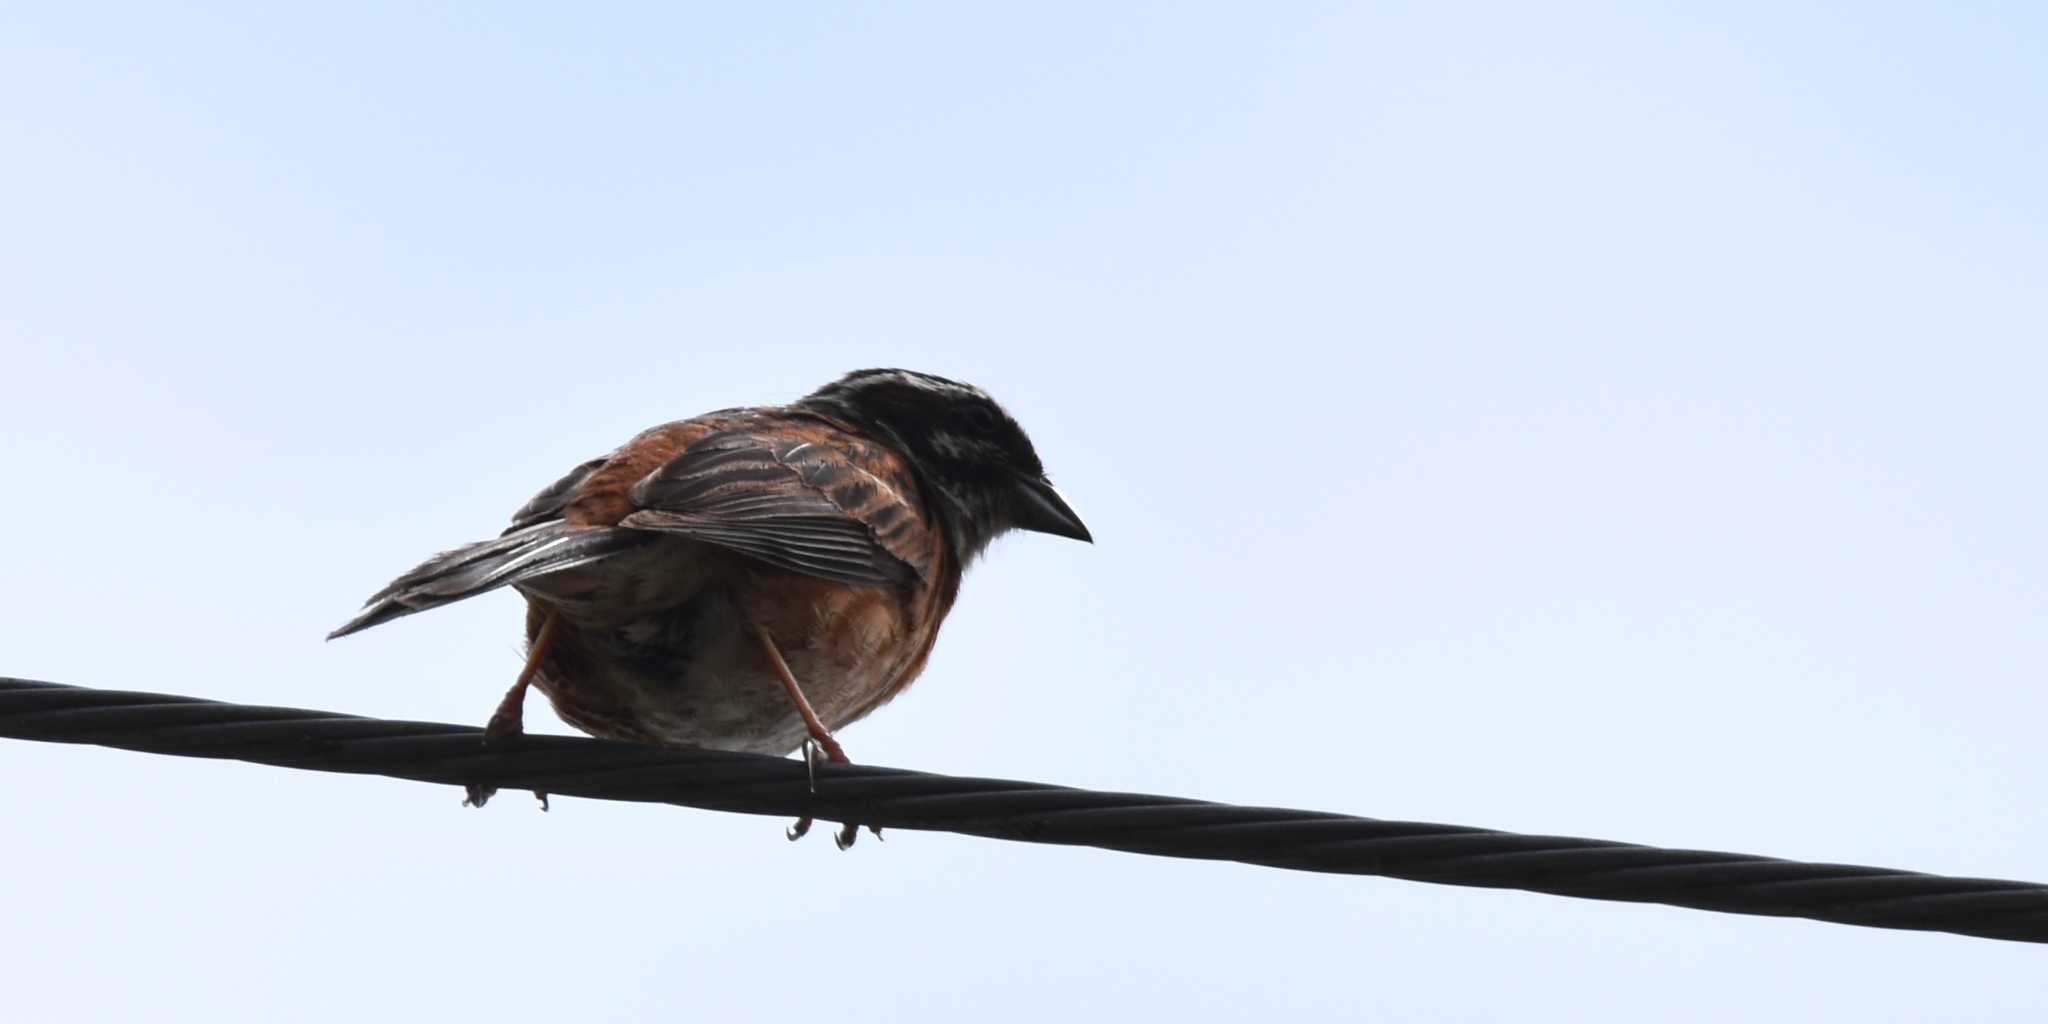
(752, 579)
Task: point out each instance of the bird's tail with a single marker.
(472, 569)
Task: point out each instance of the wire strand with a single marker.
(1026, 812)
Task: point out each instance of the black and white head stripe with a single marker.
(880, 382)
(970, 454)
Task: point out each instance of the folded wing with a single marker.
(801, 506)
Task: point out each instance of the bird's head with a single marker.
(984, 474)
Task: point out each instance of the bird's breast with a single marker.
(694, 673)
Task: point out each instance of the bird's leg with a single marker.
(819, 734)
(812, 722)
(510, 718)
(847, 832)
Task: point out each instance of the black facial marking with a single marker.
(964, 449)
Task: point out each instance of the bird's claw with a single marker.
(476, 796)
(846, 835)
(843, 839)
(812, 746)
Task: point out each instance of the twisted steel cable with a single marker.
(1027, 812)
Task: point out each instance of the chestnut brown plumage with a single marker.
(748, 578)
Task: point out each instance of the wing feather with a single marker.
(772, 501)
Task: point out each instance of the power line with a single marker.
(1026, 812)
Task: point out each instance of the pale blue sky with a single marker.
(1615, 420)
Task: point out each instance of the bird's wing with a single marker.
(543, 539)
(549, 503)
(800, 498)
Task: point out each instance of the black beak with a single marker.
(1040, 509)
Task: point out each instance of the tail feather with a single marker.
(487, 565)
